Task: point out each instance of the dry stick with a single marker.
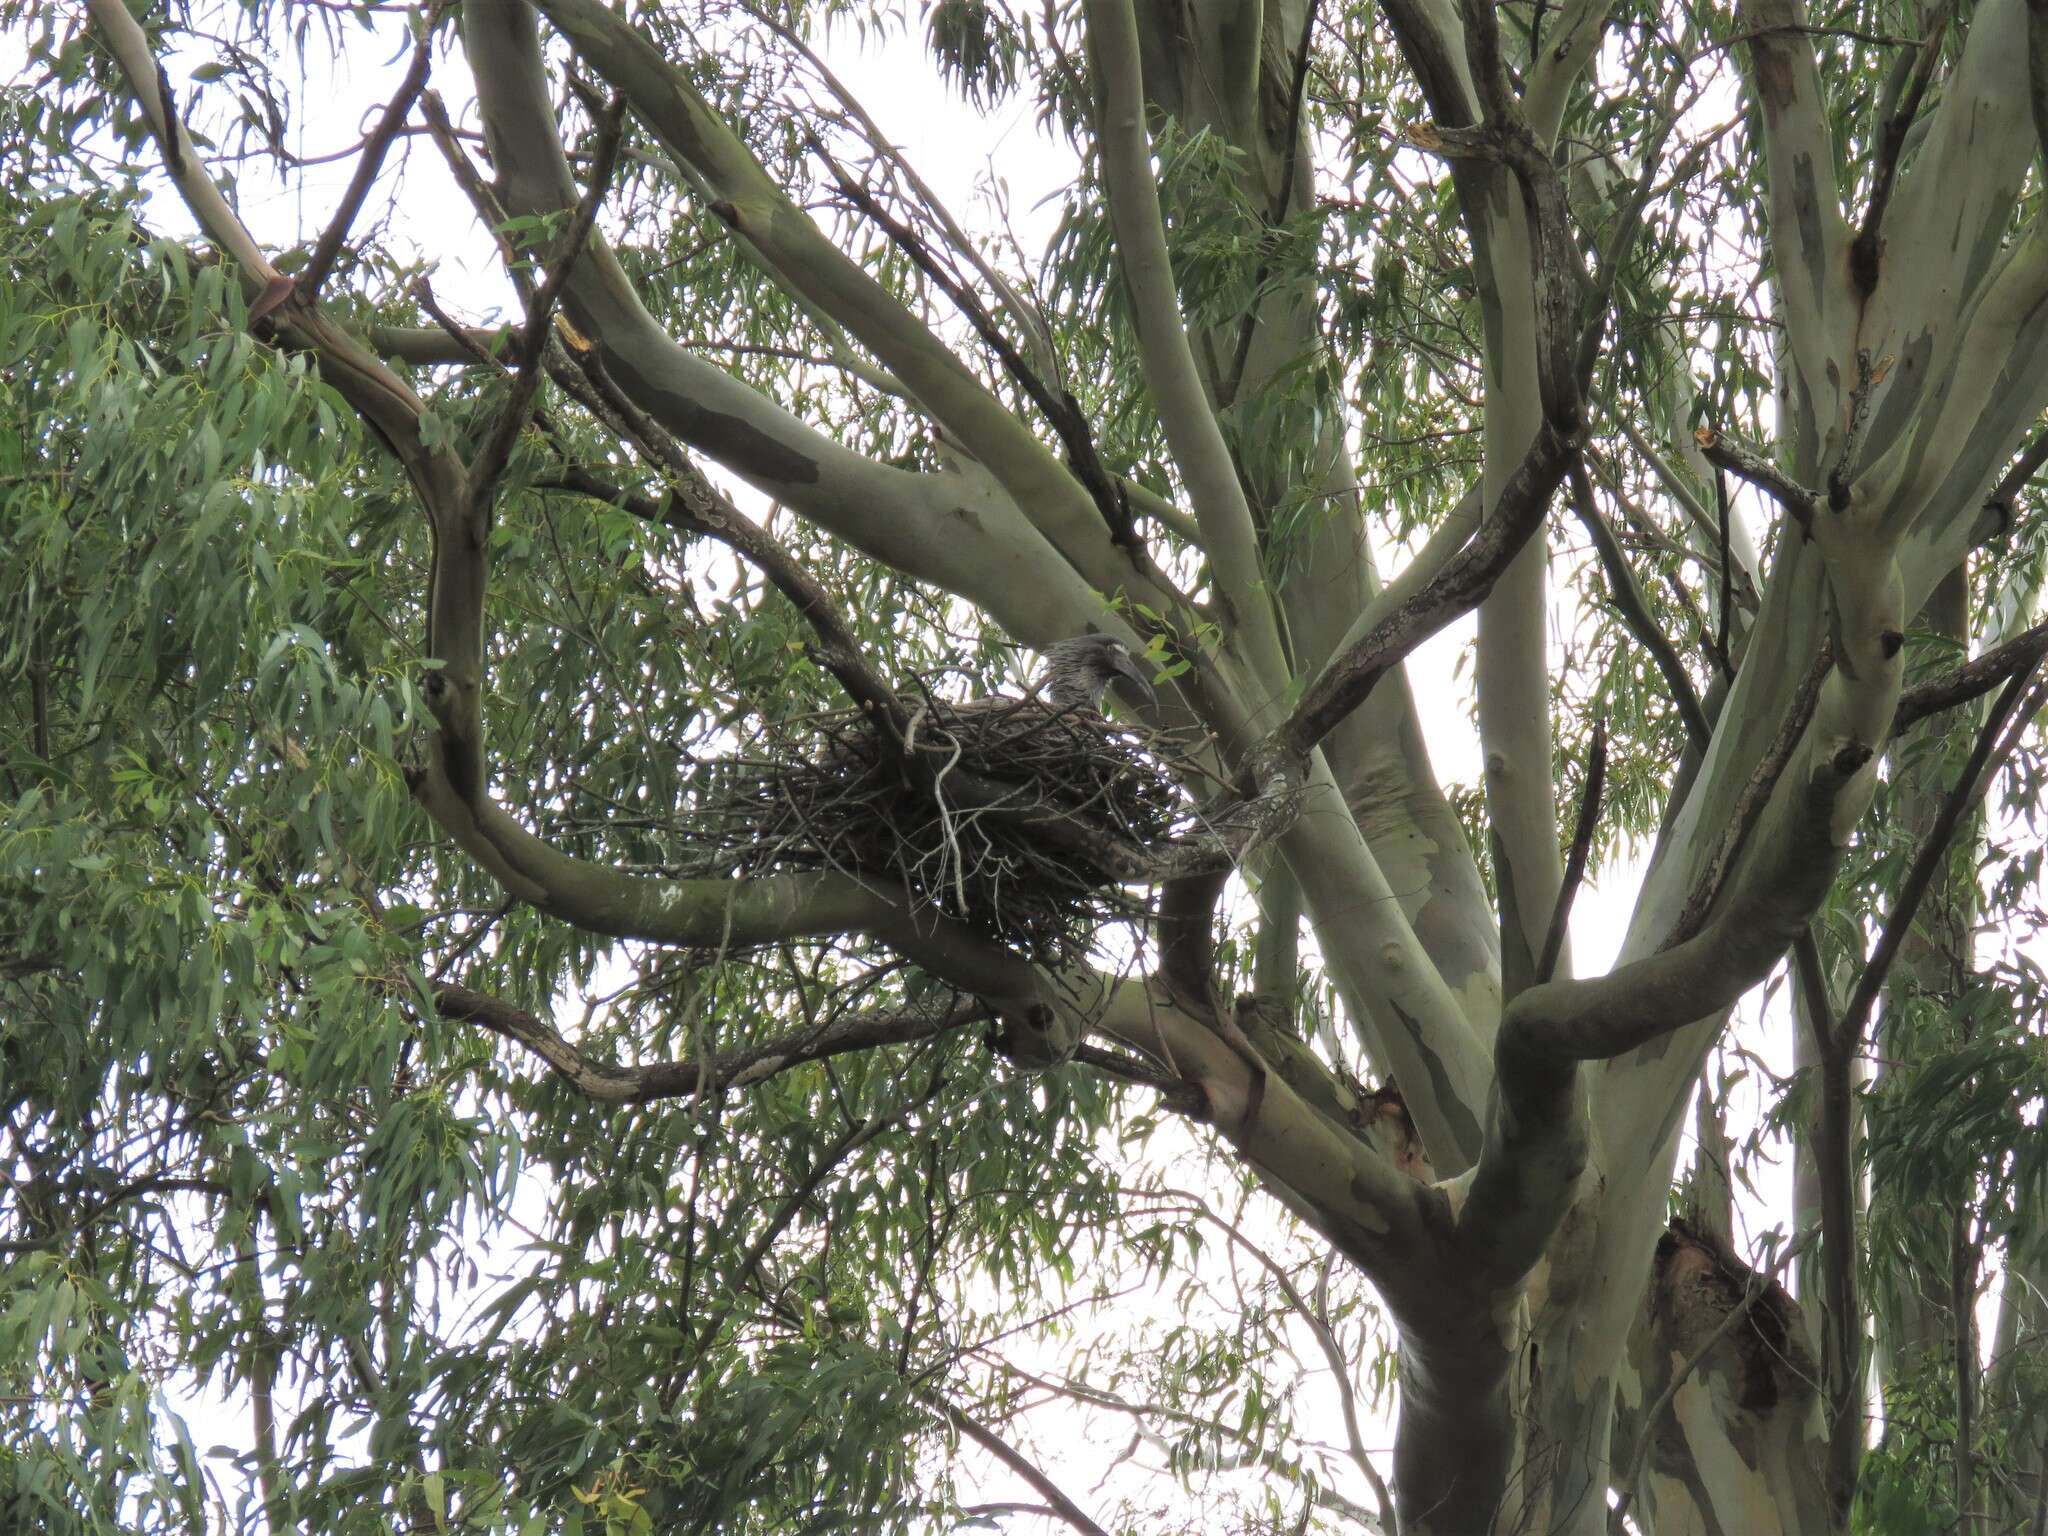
(1751, 464)
(1018, 1463)
(1582, 845)
(1839, 1041)
(328, 248)
(1866, 251)
(540, 310)
(1061, 410)
(2000, 734)
(1972, 679)
(1749, 806)
(1760, 1281)
(1635, 612)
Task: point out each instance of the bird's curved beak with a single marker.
(1134, 672)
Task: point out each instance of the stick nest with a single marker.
(1020, 820)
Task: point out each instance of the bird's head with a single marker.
(1080, 671)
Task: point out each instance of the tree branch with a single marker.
(1972, 679)
(1748, 463)
(368, 167)
(2006, 494)
(2000, 734)
(1017, 1462)
(1062, 411)
(1575, 861)
(1236, 564)
(707, 1075)
(1464, 581)
(1808, 233)
(1635, 612)
(749, 202)
(491, 458)
(956, 527)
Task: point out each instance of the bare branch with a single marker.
(1456, 590)
(737, 1068)
(491, 458)
(1635, 612)
(1973, 679)
(1017, 1462)
(2000, 734)
(1575, 862)
(1750, 464)
(1060, 409)
(328, 247)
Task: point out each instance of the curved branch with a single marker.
(1972, 679)
(1752, 465)
(375, 146)
(1456, 590)
(736, 1068)
(750, 203)
(1331, 1177)
(1017, 1462)
(953, 528)
(1131, 189)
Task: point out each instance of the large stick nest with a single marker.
(1026, 822)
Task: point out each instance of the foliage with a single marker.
(262, 1183)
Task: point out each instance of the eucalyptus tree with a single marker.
(364, 639)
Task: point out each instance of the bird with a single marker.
(1079, 672)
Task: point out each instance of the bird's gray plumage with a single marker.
(1078, 672)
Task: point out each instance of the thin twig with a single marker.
(1866, 252)
(1634, 610)
(1582, 846)
(696, 1077)
(1018, 1463)
(328, 247)
(1060, 409)
(1748, 463)
(540, 310)
(1996, 740)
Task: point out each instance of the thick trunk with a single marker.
(1738, 1447)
